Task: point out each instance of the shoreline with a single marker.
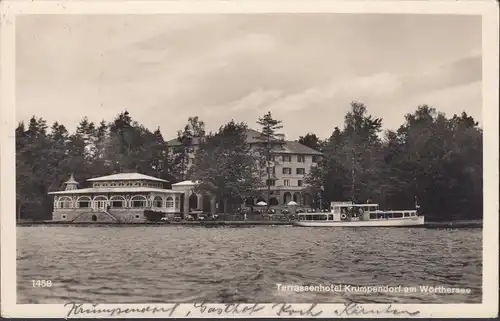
(456, 224)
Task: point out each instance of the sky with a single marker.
(304, 68)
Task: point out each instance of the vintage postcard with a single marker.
(217, 159)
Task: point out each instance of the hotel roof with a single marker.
(253, 137)
(126, 176)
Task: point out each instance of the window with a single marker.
(170, 202)
(117, 204)
(158, 201)
(373, 216)
(286, 158)
(271, 170)
(398, 215)
(301, 171)
(117, 201)
(270, 182)
(177, 202)
(287, 170)
(299, 182)
(138, 201)
(301, 158)
(286, 182)
(63, 216)
(315, 159)
(137, 216)
(83, 202)
(65, 202)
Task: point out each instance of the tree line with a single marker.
(432, 158)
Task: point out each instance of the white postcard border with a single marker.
(489, 12)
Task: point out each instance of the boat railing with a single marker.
(393, 211)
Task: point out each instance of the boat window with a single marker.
(373, 216)
(413, 214)
(397, 215)
(406, 214)
(330, 217)
(388, 215)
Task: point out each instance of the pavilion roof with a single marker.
(71, 180)
(126, 177)
(131, 189)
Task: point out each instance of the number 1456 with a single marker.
(42, 283)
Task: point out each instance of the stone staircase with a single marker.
(96, 216)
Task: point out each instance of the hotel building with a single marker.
(289, 167)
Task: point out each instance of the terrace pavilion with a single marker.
(115, 198)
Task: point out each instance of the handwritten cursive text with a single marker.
(357, 309)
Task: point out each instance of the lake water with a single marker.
(139, 264)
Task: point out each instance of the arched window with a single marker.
(287, 198)
(83, 202)
(118, 201)
(273, 201)
(170, 202)
(158, 201)
(100, 202)
(138, 201)
(64, 202)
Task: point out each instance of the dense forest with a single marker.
(431, 158)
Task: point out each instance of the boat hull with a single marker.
(411, 221)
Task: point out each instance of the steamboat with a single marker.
(349, 214)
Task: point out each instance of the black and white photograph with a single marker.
(224, 163)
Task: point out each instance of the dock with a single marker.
(167, 223)
(456, 224)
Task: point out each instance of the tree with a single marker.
(433, 157)
(192, 134)
(439, 160)
(312, 141)
(270, 144)
(224, 166)
(351, 158)
(34, 168)
(330, 173)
